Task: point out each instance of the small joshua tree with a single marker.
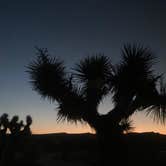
(4, 123)
(27, 130)
(17, 129)
(14, 125)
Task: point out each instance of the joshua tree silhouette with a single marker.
(4, 123)
(14, 125)
(10, 144)
(27, 131)
(133, 84)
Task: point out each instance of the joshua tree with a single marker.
(14, 125)
(133, 84)
(27, 130)
(4, 123)
(9, 147)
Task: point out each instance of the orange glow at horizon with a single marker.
(146, 124)
(67, 130)
(88, 130)
(140, 122)
(49, 131)
(63, 128)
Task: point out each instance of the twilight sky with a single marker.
(71, 30)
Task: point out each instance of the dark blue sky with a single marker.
(71, 30)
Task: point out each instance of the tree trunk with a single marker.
(112, 146)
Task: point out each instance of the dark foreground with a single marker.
(146, 149)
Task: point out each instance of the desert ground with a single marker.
(63, 149)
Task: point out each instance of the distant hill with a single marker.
(148, 138)
(89, 137)
(61, 141)
(143, 148)
(90, 134)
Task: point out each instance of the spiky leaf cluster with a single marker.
(132, 82)
(94, 74)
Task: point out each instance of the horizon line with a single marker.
(49, 133)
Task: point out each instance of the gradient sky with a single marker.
(71, 30)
